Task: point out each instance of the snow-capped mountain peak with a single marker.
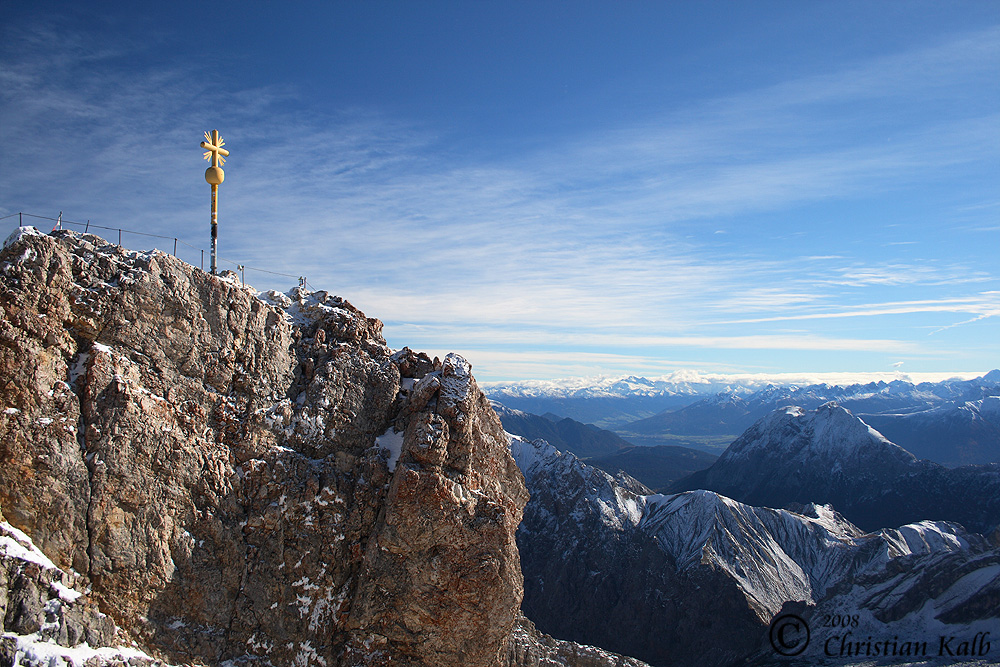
(829, 431)
(617, 499)
(696, 383)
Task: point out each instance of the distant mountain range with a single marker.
(828, 455)
(953, 422)
(656, 467)
(961, 433)
(611, 402)
(608, 402)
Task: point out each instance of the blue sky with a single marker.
(552, 189)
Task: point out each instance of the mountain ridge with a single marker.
(656, 467)
(584, 440)
(948, 426)
(828, 455)
(608, 563)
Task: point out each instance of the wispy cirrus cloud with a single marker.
(986, 304)
(906, 274)
(600, 239)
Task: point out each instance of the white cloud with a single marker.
(986, 304)
(969, 321)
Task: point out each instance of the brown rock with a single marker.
(208, 462)
(530, 648)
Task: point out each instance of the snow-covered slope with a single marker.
(796, 435)
(584, 492)
(776, 555)
(48, 621)
(830, 456)
(662, 577)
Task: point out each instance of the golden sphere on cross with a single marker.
(215, 175)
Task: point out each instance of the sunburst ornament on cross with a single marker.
(215, 152)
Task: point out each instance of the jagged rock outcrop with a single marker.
(245, 479)
(531, 648)
(44, 619)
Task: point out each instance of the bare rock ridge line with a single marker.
(241, 479)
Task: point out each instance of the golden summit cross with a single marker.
(215, 152)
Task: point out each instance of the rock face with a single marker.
(250, 479)
(531, 648)
(42, 616)
(828, 455)
(695, 578)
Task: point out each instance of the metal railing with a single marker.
(88, 225)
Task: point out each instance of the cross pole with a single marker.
(215, 152)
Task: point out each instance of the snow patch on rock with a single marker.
(392, 442)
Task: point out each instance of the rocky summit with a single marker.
(207, 475)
